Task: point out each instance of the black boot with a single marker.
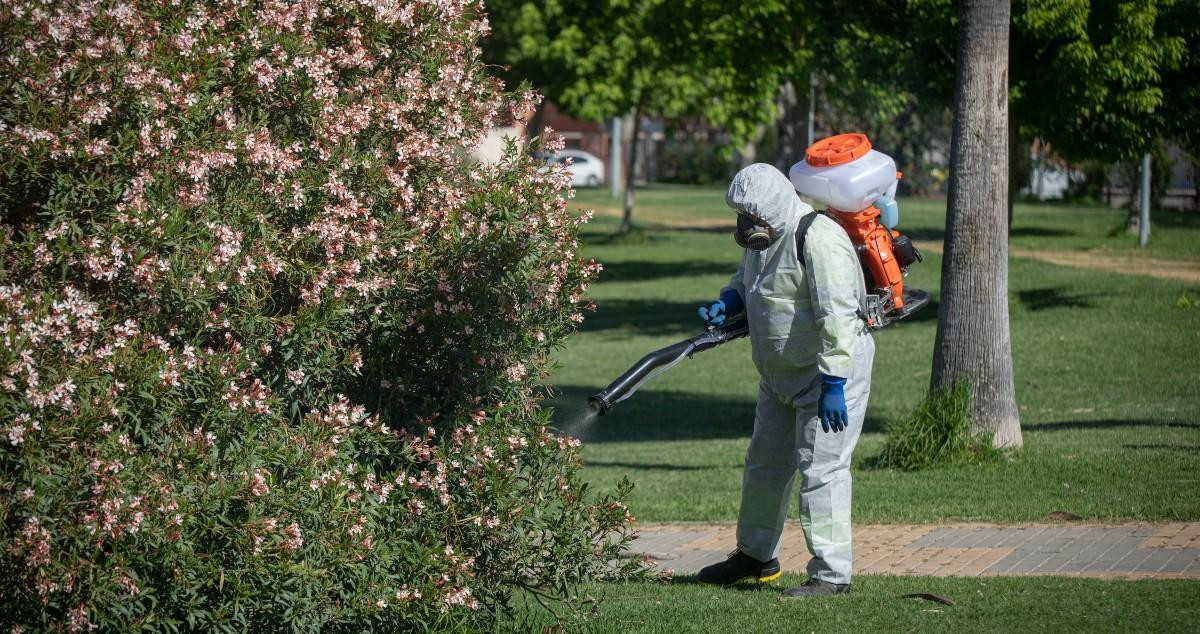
(817, 588)
(739, 566)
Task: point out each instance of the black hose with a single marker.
(632, 379)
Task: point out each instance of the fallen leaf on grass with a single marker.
(929, 597)
(1063, 516)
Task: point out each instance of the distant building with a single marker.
(1181, 192)
(590, 136)
(492, 147)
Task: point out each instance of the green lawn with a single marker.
(1057, 227)
(1004, 604)
(1107, 367)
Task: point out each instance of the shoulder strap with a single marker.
(802, 231)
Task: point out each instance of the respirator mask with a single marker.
(751, 234)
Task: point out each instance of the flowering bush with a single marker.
(270, 343)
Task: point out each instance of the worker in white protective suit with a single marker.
(814, 357)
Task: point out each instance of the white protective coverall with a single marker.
(803, 322)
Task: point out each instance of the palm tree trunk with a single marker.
(973, 341)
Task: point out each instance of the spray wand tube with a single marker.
(662, 360)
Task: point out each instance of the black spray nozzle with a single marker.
(599, 403)
(660, 360)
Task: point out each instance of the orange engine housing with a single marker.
(873, 242)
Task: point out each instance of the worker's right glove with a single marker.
(714, 313)
(831, 408)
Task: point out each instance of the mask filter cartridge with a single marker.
(751, 235)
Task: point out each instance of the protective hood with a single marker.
(764, 194)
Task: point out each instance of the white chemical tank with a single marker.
(844, 173)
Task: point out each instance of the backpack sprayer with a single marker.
(844, 173)
(858, 186)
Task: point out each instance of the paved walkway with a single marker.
(1167, 551)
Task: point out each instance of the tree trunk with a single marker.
(790, 126)
(1015, 166)
(973, 335)
(537, 121)
(1131, 173)
(634, 145)
(614, 158)
(1195, 183)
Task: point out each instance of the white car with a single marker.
(587, 170)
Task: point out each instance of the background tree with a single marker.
(666, 58)
(973, 333)
(1098, 80)
(887, 69)
(1088, 76)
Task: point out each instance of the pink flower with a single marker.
(456, 596)
(293, 539)
(77, 620)
(16, 434)
(258, 485)
(96, 113)
(128, 584)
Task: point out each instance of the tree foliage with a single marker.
(1097, 79)
(887, 69)
(665, 58)
(269, 344)
(1090, 77)
(677, 58)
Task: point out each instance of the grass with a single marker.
(1106, 368)
(1050, 226)
(996, 604)
(936, 433)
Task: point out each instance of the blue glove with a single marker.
(832, 406)
(714, 313)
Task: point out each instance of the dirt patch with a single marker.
(1127, 264)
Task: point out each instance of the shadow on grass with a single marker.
(654, 317)
(1160, 446)
(637, 235)
(1108, 424)
(650, 233)
(1040, 232)
(649, 466)
(652, 415)
(748, 586)
(645, 317)
(924, 233)
(655, 416)
(642, 270)
(705, 228)
(1037, 299)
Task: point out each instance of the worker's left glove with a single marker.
(831, 408)
(714, 313)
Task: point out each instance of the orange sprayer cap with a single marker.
(836, 150)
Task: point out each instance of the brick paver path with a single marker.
(1072, 549)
